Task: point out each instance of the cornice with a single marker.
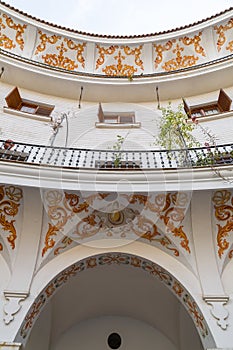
(128, 181)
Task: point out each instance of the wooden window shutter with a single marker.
(101, 114)
(224, 101)
(186, 108)
(13, 99)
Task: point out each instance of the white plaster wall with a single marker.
(93, 334)
(82, 132)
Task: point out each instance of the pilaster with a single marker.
(212, 288)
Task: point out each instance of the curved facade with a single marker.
(104, 244)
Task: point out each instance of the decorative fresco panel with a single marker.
(109, 259)
(12, 34)
(175, 54)
(223, 225)
(223, 35)
(158, 219)
(11, 202)
(119, 60)
(61, 52)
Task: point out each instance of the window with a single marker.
(114, 341)
(16, 103)
(116, 119)
(223, 104)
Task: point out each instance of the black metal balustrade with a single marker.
(108, 159)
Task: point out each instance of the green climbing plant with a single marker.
(117, 147)
(174, 131)
(176, 134)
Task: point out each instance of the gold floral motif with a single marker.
(73, 201)
(196, 315)
(14, 193)
(146, 229)
(221, 197)
(53, 197)
(60, 60)
(79, 48)
(223, 233)
(135, 52)
(170, 208)
(9, 226)
(31, 316)
(50, 290)
(9, 206)
(220, 30)
(108, 259)
(194, 41)
(89, 226)
(135, 261)
(138, 198)
(91, 262)
(66, 241)
(49, 241)
(44, 38)
(160, 49)
(157, 271)
(230, 46)
(60, 209)
(223, 212)
(119, 69)
(67, 274)
(102, 52)
(167, 207)
(230, 255)
(179, 61)
(7, 42)
(177, 288)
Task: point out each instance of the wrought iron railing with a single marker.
(108, 159)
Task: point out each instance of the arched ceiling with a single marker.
(117, 291)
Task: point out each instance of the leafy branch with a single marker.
(117, 147)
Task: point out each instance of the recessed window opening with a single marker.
(116, 118)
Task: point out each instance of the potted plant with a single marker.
(118, 157)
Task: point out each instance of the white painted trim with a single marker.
(117, 125)
(43, 176)
(26, 115)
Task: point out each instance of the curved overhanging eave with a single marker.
(172, 85)
(43, 176)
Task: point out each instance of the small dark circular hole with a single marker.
(114, 341)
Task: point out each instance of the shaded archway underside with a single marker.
(120, 259)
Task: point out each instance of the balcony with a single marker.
(96, 170)
(106, 159)
(130, 160)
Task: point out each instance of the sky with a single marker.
(121, 17)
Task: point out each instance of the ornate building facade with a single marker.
(106, 240)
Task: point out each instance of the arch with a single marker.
(135, 260)
(5, 270)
